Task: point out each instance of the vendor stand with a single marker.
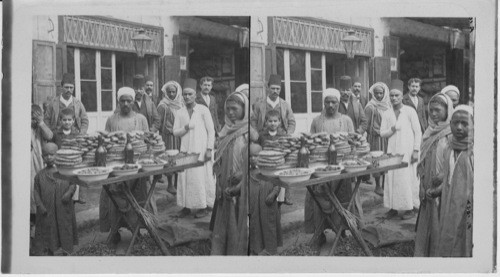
(121, 182)
(309, 184)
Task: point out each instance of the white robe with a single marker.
(401, 188)
(196, 186)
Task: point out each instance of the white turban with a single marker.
(243, 87)
(465, 108)
(126, 91)
(331, 92)
(451, 88)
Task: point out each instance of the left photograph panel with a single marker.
(139, 135)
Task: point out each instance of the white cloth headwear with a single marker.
(331, 92)
(465, 108)
(241, 88)
(126, 91)
(451, 88)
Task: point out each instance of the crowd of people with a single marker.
(436, 140)
(186, 120)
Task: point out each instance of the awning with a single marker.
(198, 27)
(318, 35)
(108, 34)
(404, 27)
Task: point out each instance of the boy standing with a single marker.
(68, 130)
(55, 219)
(272, 132)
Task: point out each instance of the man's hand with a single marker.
(271, 197)
(414, 157)
(186, 127)
(208, 155)
(42, 209)
(66, 198)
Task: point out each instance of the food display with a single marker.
(359, 142)
(269, 158)
(355, 165)
(330, 170)
(152, 164)
(126, 169)
(154, 141)
(294, 175)
(68, 158)
(92, 174)
(384, 159)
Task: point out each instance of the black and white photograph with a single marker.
(383, 129)
(240, 137)
(117, 141)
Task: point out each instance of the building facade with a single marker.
(100, 53)
(309, 56)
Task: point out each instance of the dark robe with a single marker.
(58, 227)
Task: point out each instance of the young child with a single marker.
(271, 132)
(68, 131)
(55, 219)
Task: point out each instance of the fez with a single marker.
(68, 78)
(138, 81)
(275, 80)
(397, 84)
(148, 79)
(356, 80)
(345, 83)
(190, 84)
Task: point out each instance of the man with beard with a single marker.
(144, 105)
(149, 87)
(273, 102)
(356, 92)
(127, 120)
(351, 107)
(416, 102)
(66, 100)
(209, 101)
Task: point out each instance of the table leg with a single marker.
(136, 207)
(138, 225)
(115, 227)
(354, 231)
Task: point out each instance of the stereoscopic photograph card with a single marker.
(235, 137)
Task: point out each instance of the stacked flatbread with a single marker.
(270, 159)
(359, 141)
(72, 144)
(68, 158)
(155, 142)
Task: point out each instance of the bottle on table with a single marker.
(332, 152)
(100, 153)
(303, 157)
(129, 151)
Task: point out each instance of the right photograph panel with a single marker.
(365, 136)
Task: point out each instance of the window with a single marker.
(88, 81)
(303, 74)
(298, 83)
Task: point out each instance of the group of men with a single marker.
(145, 103)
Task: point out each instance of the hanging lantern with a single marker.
(350, 42)
(141, 43)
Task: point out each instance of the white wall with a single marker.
(45, 27)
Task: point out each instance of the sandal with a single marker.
(184, 212)
(391, 213)
(172, 190)
(201, 213)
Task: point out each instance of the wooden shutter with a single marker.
(455, 72)
(169, 69)
(391, 49)
(381, 70)
(61, 66)
(44, 71)
(181, 49)
(258, 71)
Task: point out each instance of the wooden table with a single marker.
(335, 202)
(129, 197)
